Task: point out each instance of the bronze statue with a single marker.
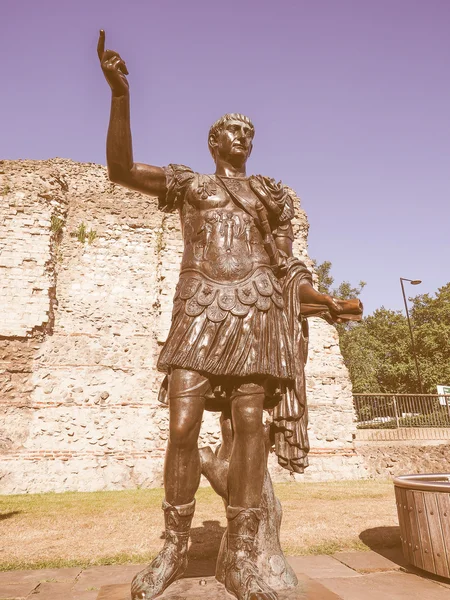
(236, 344)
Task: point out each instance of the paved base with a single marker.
(382, 575)
(208, 588)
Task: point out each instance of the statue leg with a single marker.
(247, 461)
(268, 556)
(245, 484)
(182, 468)
(187, 391)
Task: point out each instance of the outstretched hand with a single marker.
(334, 308)
(113, 67)
(344, 310)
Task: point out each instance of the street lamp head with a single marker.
(416, 282)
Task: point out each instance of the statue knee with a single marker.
(183, 433)
(247, 420)
(185, 417)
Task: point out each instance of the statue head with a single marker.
(230, 138)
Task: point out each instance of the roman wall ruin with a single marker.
(87, 274)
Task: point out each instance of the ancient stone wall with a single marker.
(391, 460)
(87, 273)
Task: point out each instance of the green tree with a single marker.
(324, 275)
(377, 350)
(430, 317)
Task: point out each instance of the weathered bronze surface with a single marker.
(237, 344)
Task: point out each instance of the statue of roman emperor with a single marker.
(236, 338)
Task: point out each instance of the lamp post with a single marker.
(412, 282)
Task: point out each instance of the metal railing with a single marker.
(391, 411)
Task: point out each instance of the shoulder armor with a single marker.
(178, 178)
(278, 200)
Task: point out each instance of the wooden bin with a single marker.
(423, 506)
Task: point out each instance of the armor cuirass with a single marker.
(233, 316)
(221, 239)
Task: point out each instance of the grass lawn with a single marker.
(71, 529)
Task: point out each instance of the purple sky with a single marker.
(350, 100)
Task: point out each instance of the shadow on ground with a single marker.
(205, 544)
(386, 542)
(9, 515)
(204, 548)
(381, 537)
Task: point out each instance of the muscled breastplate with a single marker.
(222, 239)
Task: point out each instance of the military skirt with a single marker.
(238, 329)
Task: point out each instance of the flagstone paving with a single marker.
(343, 576)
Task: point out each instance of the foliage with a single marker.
(345, 290)
(82, 234)
(56, 224)
(91, 236)
(378, 355)
(431, 319)
(325, 278)
(377, 351)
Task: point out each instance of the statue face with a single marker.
(233, 143)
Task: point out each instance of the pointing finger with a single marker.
(101, 44)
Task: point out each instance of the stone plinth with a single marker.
(209, 589)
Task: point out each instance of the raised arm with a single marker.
(119, 153)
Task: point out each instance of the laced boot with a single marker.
(171, 562)
(242, 578)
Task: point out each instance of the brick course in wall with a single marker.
(82, 324)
